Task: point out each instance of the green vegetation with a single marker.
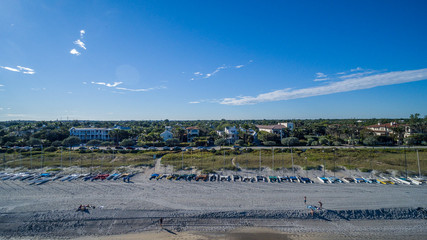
(363, 159)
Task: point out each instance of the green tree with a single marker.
(290, 141)
(71, 141)
(172, 142)
(370, 141)
(220, 142)
(94, 142)
(35, 142)
(127, 143)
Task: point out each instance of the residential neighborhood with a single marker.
(340, 132)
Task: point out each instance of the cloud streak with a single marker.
(20, 69)
(199, 75)
(349, 84)
(115, 84)
(79, 43)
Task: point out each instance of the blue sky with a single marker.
(149, 60)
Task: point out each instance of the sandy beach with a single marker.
(210, 210)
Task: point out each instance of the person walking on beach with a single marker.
(161, 222)
(305, 200)
(320, 205)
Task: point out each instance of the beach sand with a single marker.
(210, 210)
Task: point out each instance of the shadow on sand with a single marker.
(169, 231)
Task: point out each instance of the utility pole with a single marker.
(224, 158)
(292, 158)
(260, 159)
(335, 169)
(61, 156)
(272, 150)
(182, 162)
(406, 162)
(41, 156)
(324, 165)
(306, 167)
(419, 168)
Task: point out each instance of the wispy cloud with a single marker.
(115, 84)
(10, 69)
(79, 43)
(74, 52)
(194, 102)
(24, 70)
(346, 85)
(321, 77)
(141, 89)
(199, 75)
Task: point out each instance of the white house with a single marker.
(87, 134)
(231, 134)
(167, 134)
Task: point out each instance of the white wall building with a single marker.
(231, 134)
(87, 134)
(167, 134)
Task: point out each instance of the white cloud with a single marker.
(82, 32)
(115, 84)
(140, 90)
(10, 69)
(74, 52)
(1, 85)
(200, 75)
(194, 102)
(24, 70)
(356, 69)
(350, 84)
(85, 83)
(321, 77)
(80, 44)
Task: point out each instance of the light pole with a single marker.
(292, 158)
(324, 165)
(61, 156)
(306, 167)
(334, 162)
(260, 159)
(272, 150)
(406, 162)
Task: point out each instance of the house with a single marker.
(167, 134)
(231, 134)
(383, 129)
(87, 134)
(192, 132)
(278, 129)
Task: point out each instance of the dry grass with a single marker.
(363, 159)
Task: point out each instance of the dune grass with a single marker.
(381, 160)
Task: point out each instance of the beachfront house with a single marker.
(279, 128)
(167, 134)
(382, 129)
(192, 132)
(87, 134)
